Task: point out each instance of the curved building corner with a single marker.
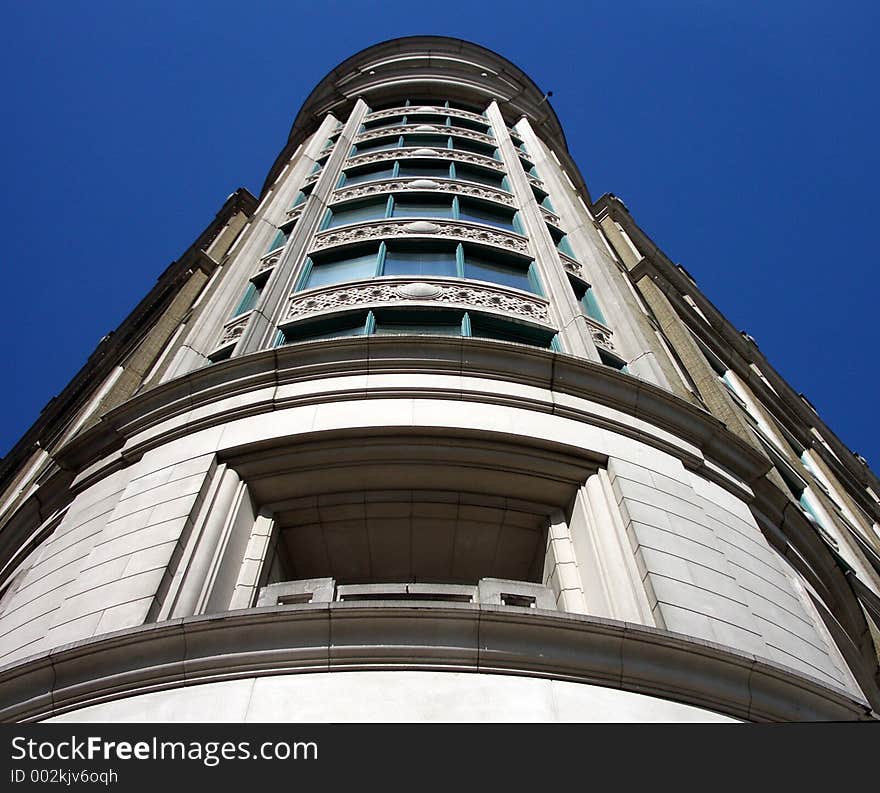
(425, 433)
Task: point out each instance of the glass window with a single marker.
(491, 328)
(249, 300)
(355, 213)
(482, 213)
(430, 141)
(427, 170)
(368, 174)
(421, 208)
(481, 177)
(335, 270)
(498, 271)
(377, 145)
(411, 261)
(278, 241)
(381, 123)
(418, 323)
(591, 307)
(350, 325)
(465, 144)
(565, 246)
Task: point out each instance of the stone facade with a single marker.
(492, 458)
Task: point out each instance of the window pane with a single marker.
(356, 177)
(428, 170)
(490, 328)
(481, 177)
(419, 323)
(411, 262)
(421, 208)
(464, 144)
(432, 329)
(377, 145)
(333, 272)
(479, 213)
(355, 213)
(497, 272)
(325, 331)
(431, 141)
(381, 123)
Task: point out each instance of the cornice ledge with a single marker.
(386, 635)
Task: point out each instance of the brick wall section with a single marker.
(710, 573)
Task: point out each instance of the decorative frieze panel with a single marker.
(446, 229)
(311, 178)
(549, 216)
(267, 263)
(534, 180)
(436, 129)
(423, 185)
(600, 334)
(440, 111)
(443, 154)
(233, 330)
(294, 212)
(571, 266)
(383, 292)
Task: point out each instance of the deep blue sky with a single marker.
(742, 136)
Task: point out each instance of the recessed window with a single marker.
(587, 299)
(418, 207)
(427, 170)
(357, 212)
(379, 144)
(356, 176)
(418, 322)
(612, 360)
(498, 270)
(419, 261)
(322, 272)
(480, 176)
(278, 241)
(488, 214)
(248, 300)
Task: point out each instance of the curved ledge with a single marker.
(423, 129)
(455, 637)
(457, 230)
(449, 292)
(426, 153)
(420, 184)
(145, 420)
(404, 110)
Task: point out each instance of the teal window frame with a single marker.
(366, 324)
(249, 299)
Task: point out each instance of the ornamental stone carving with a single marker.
(571, 266)
(440, 129)
(294, 212)
(311, 178)
(549, 216)
(419, 291)
(440, 111)
(233, 331)
(535, 181)
(455, 230)
(441, 186)
(600, 334)
(444, 154)
(268, 263)
(380, 292)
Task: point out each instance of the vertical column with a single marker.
(561, 572)
(273, 303)
(565, 312)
